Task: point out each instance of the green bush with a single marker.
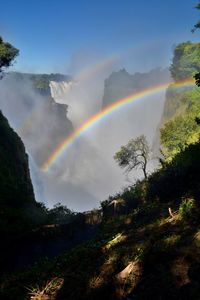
(188, 209)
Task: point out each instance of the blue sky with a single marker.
(51, 35)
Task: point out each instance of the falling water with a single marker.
(60, 89)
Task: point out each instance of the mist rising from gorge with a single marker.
(90, 158)
(86, 173)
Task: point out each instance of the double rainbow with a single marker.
(107, 111)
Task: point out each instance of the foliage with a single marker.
(188, 209)
(41, 81)
(181, 115)
(161, 250)
(177, 178)
(177, 100)
(7, 54)
(135, 194)
(197, 25)
(59, 214)
(183, 129)
(145, 237)
(177, 134)
(132, 196)
(152, 244)
(134, 155)
(186, 62)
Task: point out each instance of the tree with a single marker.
(178, 133)
(197, 26)
(134, 155)
(182, 128)
(186, 62)
(7, 54)
(60, 214)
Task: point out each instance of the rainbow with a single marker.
(99, 116)
(85, 74)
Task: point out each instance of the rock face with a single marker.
(39, 120)
(45, 130)
(16, 191)
(41, 81)
(185, 64)
(175, 105)
(121, 84)
(15, 178)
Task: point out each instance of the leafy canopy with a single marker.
(7, 54)
(134, 155)
(197, 25)
(183, 129)
(186, 61)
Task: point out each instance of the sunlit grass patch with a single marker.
(127, 279)
(50, 289)
(96, 282)
(172, 240)
(197, 239)
(115, 240)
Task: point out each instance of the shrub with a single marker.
(188, 209)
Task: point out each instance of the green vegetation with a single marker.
(134, 155)
(180, 121)
(188, 209)
(40, 81)
(7, 54)
(143, 253)
(148, 244)
(59, 214)
(197, 25)
(180, 132)
(185, 62)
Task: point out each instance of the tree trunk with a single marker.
(145, 173)
(144, 167)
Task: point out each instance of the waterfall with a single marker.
(60, 89)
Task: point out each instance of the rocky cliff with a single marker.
(17, 202)
(39, 120)
(185, 64)
(40, 81)
(120, 84)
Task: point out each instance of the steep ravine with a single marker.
(16, 190)
(24, 239)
